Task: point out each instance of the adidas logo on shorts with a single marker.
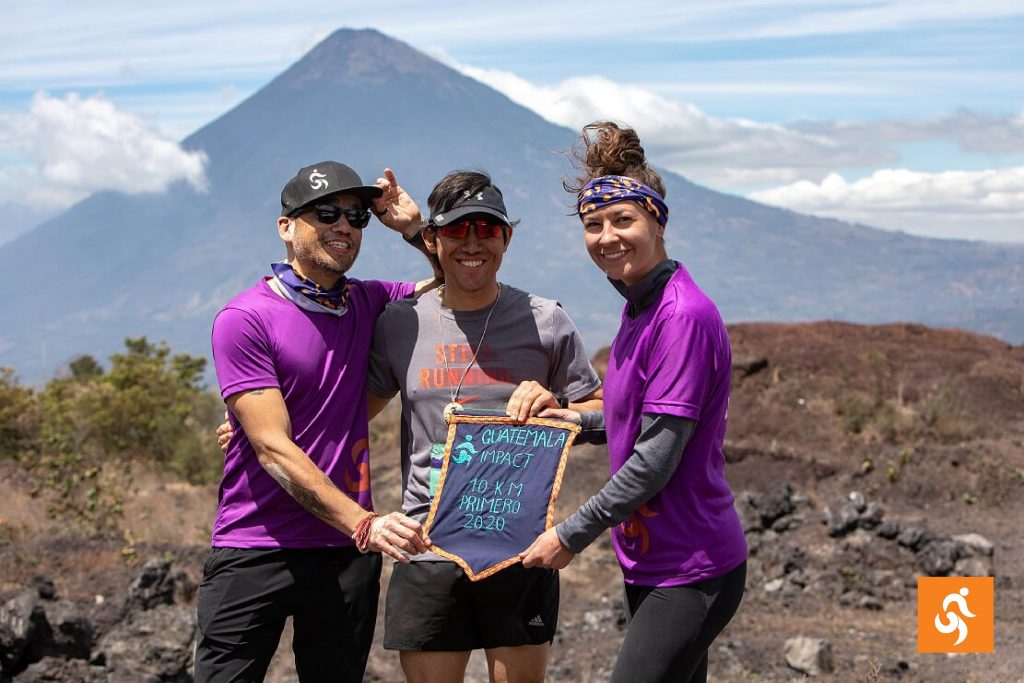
(536, 621)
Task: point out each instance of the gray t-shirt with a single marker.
(528, 337)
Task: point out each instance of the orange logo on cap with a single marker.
(955, 614)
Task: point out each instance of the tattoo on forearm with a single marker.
(311, 501)
(305, 497)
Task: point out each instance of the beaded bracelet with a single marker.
(362, 532)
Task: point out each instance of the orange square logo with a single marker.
(955, 614)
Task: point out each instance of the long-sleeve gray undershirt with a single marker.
(592, 428)
(656, 455)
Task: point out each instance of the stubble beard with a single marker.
(317, 259)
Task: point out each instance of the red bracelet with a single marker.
(360, 536)
(358, 533)
(362, 532)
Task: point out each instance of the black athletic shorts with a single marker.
(433, 606)
(247, 594)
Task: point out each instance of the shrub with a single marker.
(19, 416)
(79, 434)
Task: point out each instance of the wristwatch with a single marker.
(563, 400)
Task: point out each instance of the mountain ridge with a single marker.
(120, 265)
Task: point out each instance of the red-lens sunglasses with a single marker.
(459, 230)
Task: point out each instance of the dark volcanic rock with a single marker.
(71, 630)
(938, 558)
(888, 529)
(870, 516)
(60, 670)
(23, 627)
(912, 537)
(155, 585)
(749, 366)
(152, 645)
(841, 522)
(852, 513)
(44, 586)
(774, 503)
(149, 638)
(750, 518)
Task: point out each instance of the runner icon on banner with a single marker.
(499, 482)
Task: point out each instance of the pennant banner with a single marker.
(499, 482)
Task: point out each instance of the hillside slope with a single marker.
(926, 426)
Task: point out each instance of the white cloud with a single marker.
(74, 146)
(973, 131)
(739, 154)
(713, 150)
(973, 204)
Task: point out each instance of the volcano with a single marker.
(161, 265)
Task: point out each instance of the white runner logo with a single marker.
(317, 180)
(954, 622)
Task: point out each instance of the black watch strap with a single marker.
(563, 400)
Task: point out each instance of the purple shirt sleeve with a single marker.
(396, 290)
(241, 353)
(679, 369)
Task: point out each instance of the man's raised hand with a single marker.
(395, 208)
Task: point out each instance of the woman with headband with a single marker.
(675, 531)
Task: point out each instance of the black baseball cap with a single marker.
(487, 200)
(320, 180)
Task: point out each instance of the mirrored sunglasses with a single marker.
(484, 229)
(329, 214)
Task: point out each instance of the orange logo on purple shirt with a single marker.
(635, 528)
(360, 482)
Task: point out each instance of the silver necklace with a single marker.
(454, 406)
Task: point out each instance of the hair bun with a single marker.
(605, 148)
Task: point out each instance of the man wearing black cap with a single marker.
(484, 345)
(294, 516)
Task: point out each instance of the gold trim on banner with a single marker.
(572, 428)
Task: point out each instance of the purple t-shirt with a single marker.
(674, 359)
(319, 362)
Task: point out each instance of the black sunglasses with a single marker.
(329, 214)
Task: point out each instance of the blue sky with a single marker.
(902, 114)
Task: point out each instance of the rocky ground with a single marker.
(862, 458)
